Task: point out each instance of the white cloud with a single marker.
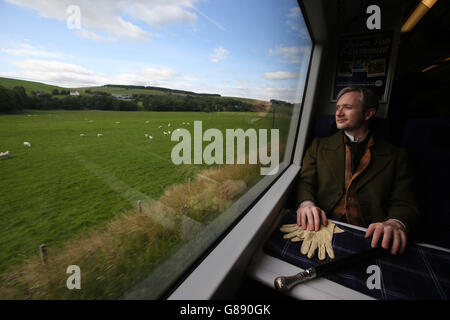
(28, 50)
(95, 36)
(280, 75)
(294, 12)
(243, 81)
(71, 75)
(290, 54)
(160, 75)
(265, 93)
(160, 13)
(218, 55)
(293, 21)
(55, 72)
(104, 19)
(46, 66)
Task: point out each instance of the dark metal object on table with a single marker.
(287, 283)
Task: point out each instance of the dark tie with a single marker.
(357, 151)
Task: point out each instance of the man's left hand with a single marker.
(392, 233)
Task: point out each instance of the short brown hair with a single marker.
(367, 97)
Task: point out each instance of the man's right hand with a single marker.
(310, 215)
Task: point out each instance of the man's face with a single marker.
(349, 112)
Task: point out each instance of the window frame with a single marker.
(215, 276)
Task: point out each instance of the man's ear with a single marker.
(370, 113)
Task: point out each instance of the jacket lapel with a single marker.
(380, 158)
(334, 155)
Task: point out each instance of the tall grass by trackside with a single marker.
(133, 244)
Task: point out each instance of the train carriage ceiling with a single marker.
(426, 45)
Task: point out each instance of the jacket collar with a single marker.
(336, 141)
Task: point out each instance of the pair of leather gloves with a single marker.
(313, 240)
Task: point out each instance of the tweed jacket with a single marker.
(383, 190)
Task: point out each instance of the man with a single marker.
(356, 177)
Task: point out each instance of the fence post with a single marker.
(139, 207)
(43, 254)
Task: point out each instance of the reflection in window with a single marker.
(104, 103)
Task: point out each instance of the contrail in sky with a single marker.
(209, 19)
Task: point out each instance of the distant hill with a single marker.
(152, 89)
(109, 88)
(125, 90)
(130, 90)
(29, 85)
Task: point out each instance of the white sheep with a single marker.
(27, 144)
(147, 121)
(82, 135)
(159, 127)
(150, 137)
(99, 135)
(117, 122)
(146, 135)
(165, 133)
(4, 154)
(168, 125)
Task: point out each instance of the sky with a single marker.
(243, 48)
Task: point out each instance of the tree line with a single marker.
(166, 90)
(191, 103)
(16, 100)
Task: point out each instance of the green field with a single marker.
(64, 184)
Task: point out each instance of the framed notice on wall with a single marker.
(364, 60)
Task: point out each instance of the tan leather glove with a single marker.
(313, 240)
(295, 232)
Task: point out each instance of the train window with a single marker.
(133, 134)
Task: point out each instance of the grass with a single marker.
(110, 261)
(68, 192)
(133, 244)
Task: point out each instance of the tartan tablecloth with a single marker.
(420, 273)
